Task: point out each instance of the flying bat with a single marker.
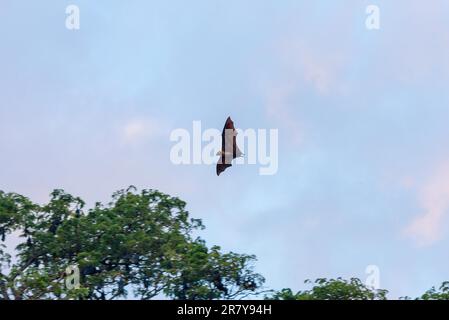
(229, 149)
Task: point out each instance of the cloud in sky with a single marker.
(304, 66)
(306, 70)
(433, 196)
(143, 130)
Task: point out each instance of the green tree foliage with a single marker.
(139, 242)
(434, 294)
(333, 289)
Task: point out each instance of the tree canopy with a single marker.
(437, 294)
(333, 289)
(139, 245)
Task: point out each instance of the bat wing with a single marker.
(235, 149)
(222, 167)
(223, 163)
(229, 139)
(229, 124)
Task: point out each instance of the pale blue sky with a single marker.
(362, 117)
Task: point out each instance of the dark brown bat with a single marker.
(229, 149)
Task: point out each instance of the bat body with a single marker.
(229, 149)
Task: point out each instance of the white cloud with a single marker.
(277, 107)
(317, 68)
(305, 65)
(433, 196)
(136, 131)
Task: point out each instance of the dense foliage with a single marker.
(139, 242)
(333, 289)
